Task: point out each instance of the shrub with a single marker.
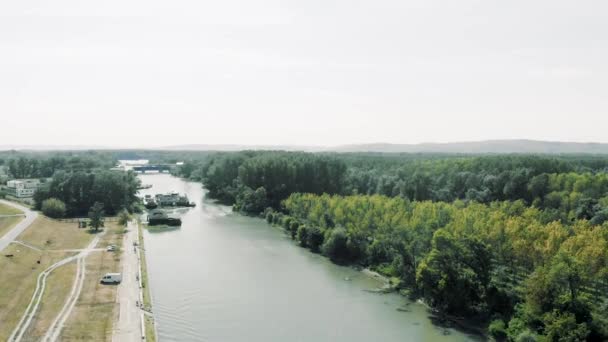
(53, 207)
(527, 336)
(315, 239)
(497, 329)
(335, 246)
(302, 236)
(123, 217)
(269, 216)
(293, 228)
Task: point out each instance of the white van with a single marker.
(111, 278)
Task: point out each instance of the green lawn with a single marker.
(8, 210)
(6, 223)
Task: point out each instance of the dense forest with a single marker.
(517, 242)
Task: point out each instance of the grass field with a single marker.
(58, 287)
(8, 210)
(6, 223)
(18, 281)
(49, 234)
(96, 308)
(20, 272)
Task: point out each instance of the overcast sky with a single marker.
(311, 72)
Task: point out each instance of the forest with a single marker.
(517, 243)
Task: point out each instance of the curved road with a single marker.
(12, 234)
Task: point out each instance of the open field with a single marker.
(49, 234)
(18, 281)
(58, 287)
(19, 273)
(96, 309)
(8, 210)
(6, 223)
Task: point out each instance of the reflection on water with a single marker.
(226, 277)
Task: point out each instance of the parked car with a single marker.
(111, 248)
(111, 278)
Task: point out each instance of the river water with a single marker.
(227, 277)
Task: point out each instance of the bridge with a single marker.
(157, 167)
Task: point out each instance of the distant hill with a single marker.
(235, 147)
(486, 146)
(476, 147)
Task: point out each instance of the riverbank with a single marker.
(149, 322)
(443, 321)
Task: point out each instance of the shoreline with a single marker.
(148, 320)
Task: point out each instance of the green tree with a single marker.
(562, 327)
(314, 239)
(96, 215)
(335, 246)
(53, 207)
(123, 217)
(455, 274)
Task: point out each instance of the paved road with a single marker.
(10, 236)
(128, 326)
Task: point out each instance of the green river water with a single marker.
(227, 277)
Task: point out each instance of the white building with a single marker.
(22, 187)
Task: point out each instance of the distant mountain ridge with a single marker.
(486, 146)
(473, 147)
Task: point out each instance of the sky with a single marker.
(143, 73)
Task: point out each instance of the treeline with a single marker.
(80, 190)
(43, 166)
(573, 187)
(253, 181)
(501, 260)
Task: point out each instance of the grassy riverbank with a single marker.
(149, 323)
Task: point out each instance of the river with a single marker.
(226, 277)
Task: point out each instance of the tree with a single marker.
(314, 239)
(96, 215)
(455, 274)
(124, 217)
(53, 207)
(562, 327)
(335, 246)
(302, 235)
(497, 329)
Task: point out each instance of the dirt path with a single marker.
(55, 329)
(10, 236)
(129, 324)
